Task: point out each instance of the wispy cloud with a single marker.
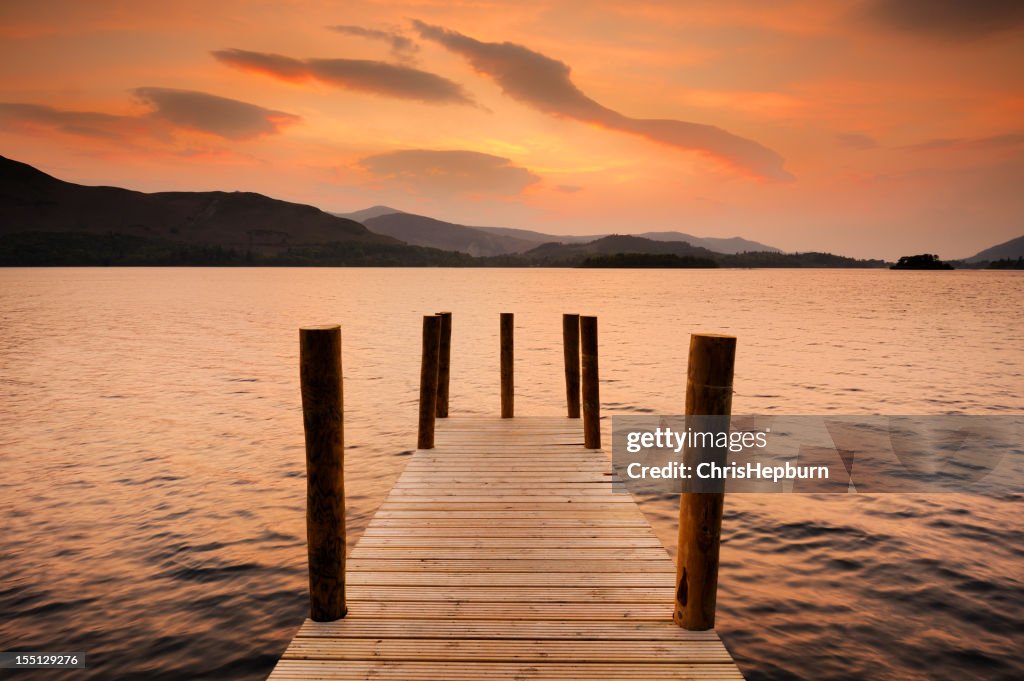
(947, 19)
(93, 124)
(857, 140)
(361, 75)
(227, 118)
(402, 47)
(545, 84)
(1003, 141)
(449, 172)
(169, 110)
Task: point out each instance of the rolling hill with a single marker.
(423, 231)
(480, 241)
(728, 246)
(45, 221)
(538, 238)
(556, 253)
(32, 201)
(367, 213)
(1009, 250)
(629, 251)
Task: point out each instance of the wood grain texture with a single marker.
(444, 364)
(591, 384)
(506, 561)
(508, 391)
(428, 381)
(322, 419)
(571, 354)
(708, 393)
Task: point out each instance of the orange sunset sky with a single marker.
(871, 128)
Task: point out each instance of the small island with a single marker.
(924, 261)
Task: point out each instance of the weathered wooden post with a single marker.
(571, 350)
(428, 380)
(591, 393)
(444, 363)
(507, 386)
(322, 418)
(708, 393)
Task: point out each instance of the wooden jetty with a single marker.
(502, 552)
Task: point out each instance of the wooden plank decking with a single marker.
(503, 553)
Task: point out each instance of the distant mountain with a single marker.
(634, 251)
(540, 237)
(367, 213)
(46, 221)
(1010, 250)
(555, 253)
(718, 245)
(32, 201)
(424, 231)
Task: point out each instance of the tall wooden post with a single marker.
(591, 393)
(708, 393)
(322, 418)
(507, 385)
(428, 380)
(571, 350)
(444, 363)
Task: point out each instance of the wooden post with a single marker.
(428, 380)
(507, 386)
(708, 393)
(322, 419)
(571, 350)
(444, 363)
(591, 392)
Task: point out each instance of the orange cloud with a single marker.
(857, 140)
(450, 171)
(1010, 140)
(947, 19)
(94, 124)
(545, 84)
(402, 47)
(169, 110)
(227, 118)
(362, 75)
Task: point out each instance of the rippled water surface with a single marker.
(153, 476)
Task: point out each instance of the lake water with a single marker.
(153, 467)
